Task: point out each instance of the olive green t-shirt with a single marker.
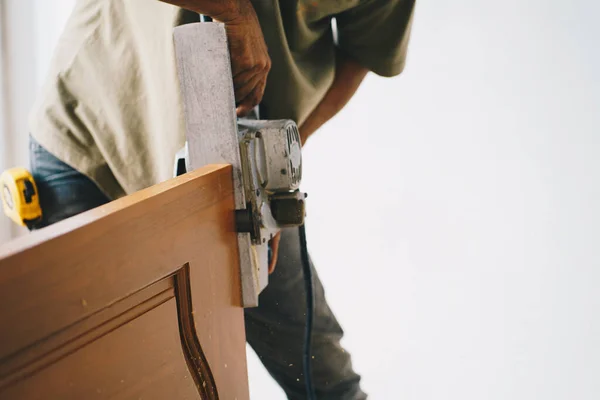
(111, 106)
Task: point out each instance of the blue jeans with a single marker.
(275, 329)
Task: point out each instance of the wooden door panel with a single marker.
(143, 290)
(141, 359)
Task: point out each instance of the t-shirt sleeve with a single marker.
(376, 32)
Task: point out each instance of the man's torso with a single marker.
(111, 106)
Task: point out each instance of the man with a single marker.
(109, 122)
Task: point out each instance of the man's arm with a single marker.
(250, 62)
(221, 10)
(348, 76)
(373, 35)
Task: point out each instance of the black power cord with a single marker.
(310, 310)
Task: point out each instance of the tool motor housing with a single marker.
(271, 160)
(272, 170)
(276, 152)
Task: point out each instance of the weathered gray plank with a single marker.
(206, 83)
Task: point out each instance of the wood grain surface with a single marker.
(139, 298)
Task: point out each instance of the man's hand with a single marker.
(250, 62)
(274, 243)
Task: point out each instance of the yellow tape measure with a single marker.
(20, 198)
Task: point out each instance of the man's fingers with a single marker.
(250, 62)
(275, 251)
(243, 109)
(240, 78)
(250, 101)
(242, 91)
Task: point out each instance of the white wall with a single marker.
(453, 211)
(18, 90)
(5, 232)
(29, 30)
